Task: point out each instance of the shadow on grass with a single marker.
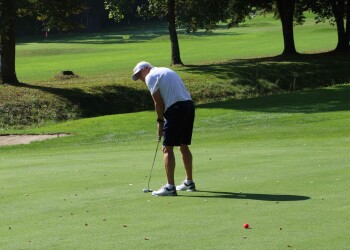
(119, 35)
(315, 101)
(250, 77)
(103, 100)
(112, 36)
(249, 196)
(279, 72)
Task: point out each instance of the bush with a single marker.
(20, 115)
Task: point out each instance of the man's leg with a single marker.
(169, 163)
(187, 161)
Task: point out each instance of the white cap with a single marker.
(139, 67)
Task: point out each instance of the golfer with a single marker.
(175, 116)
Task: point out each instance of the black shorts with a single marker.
(178, 125)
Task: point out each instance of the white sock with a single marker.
(170, 186)
(188, 182)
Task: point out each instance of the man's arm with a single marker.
(158, 105)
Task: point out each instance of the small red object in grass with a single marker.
(246, 225)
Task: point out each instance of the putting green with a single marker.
(279, 163)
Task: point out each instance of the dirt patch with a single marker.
(6, 140)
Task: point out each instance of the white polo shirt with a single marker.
(172, 89)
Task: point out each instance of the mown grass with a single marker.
(109, 53)
(226, 64)
(279, 163)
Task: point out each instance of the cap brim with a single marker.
(135, 76)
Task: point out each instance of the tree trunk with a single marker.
(338, 9)
(8, 42)
(286, 11)
(175, 50)
(347, 27)
(92, 21)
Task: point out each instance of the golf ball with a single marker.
(246, 225)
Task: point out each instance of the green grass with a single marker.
(108, 54)
(32, 104)
(227, 64)
(279, 163)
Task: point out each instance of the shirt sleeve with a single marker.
(152, 83)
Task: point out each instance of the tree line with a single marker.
(191, 15)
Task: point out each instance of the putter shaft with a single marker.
(154, 159)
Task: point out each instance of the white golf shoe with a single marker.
(165, 191)
(189, 187)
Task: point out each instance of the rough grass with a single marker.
(63, 99)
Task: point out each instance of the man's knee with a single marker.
(167, 149)
(184, 149)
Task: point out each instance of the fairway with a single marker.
(108, 55)
(279, 163)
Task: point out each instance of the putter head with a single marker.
(146, 190)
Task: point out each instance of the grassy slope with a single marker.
(226, 64)
(279, 163)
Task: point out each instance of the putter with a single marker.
(147, 190)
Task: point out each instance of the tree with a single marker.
(189, 14)
(92, 15)
(7, 46)
(348, 23)
(56, 14)
(290, 12)
(168, 9)
(117, 9)
(147, 9)
(194, 14)
(286, 13)
(238, 11)
(336, 11)
(53, 14)
(205, 14)
(175, 48)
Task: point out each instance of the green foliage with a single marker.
(36, 112)
(194, 15)
(323, 10)
(54, 14)
(117, 9)
(38, 104)
(156, 9)
(237, 11)
(190, 15)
